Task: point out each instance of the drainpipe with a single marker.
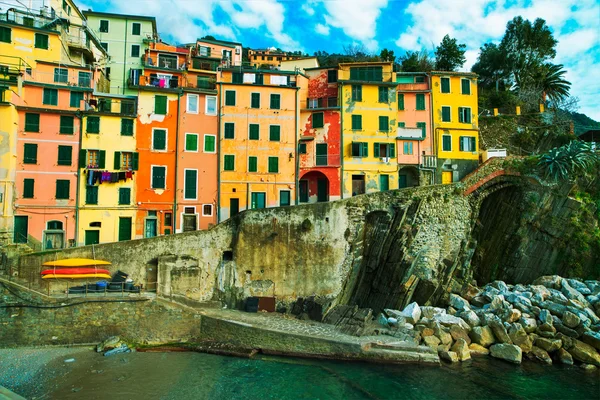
(173, 219)
(124, 57)
(219, 97)
(79, 115)
(433, 131)
(296, 145)
(340, 97)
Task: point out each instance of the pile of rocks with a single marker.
(552, 320)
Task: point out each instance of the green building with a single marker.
(125, 38)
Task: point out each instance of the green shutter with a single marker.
(423, 126)
(365, 149)
(229, 130)
(274, 133)
(135, 161)
(91, 195)
(101, 158)
(384, 123)
(28, 186)
(50, 97)
(136, 28)
(254, 132)
(401, 101)
(41, 41)
(61, 75)
(229, 163)
(376, 147)
(191, 142)
(356, 93)
(255, 100)
(124, 228)
(230, 97)
(420, 101)
(159, 139)
(66, 124)
(190, 184)
(5, 34)
(30, 153)
(466, 86)
(302, 148)
(82, 158)
(32, 122)
(445, 85)
(275, 101)
(160, 105)
(93, 125)
(62, 189)
(158, 177)
(317, 120)
(75, 100)
(384, 183)
(446, 143)
(126, 127)
(124, 196)
(117, 162)
(383, 94)
(445, 114)
(274, 164)
(401, 124)
(357, 122)
(252, 164)
(65, 155)
(392, 150)
(209, 144)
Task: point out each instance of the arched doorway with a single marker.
(408, 177)
(314, 187)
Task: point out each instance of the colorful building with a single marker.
(229, 54)
(416, 159)
(125, 38)
(270, 57)
(455, 124)
(320, 143)
(369, 122)
(259, 111)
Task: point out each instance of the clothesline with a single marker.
(96, 176)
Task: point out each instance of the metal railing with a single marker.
(62, 76)
(115, 106)
(162, 83)
(13, 65)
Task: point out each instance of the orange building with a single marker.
(229, 54)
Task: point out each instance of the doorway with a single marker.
(446, 177)
(151, 227)
(92, 237)
(322, 190)
(21, 227)
(258, 200)
(124, 228)
(234, 207)
(303, 194)
(54, 235)
(190, 222)
(358, 184)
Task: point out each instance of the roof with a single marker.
(411, 73)
(456, 73)
(367, 63)
(220, 42)
(121, 16)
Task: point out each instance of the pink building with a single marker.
(415, 139)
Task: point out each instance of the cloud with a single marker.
(306, 7)
(322, 29)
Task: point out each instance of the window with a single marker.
(408, 148)
(360, 149)
(76, 98)
(159, 139)
(125, 160)
(93, 125)
(467, 143)
(30, 153)
(210, 144)
(104, 105)
(50, 97)
(366, 74)
(356, 122)
(465, 85)
(103, 25)
(423, 126)
(84, 79)
(321, 154)
(62, 189)
(207, 210)
(237, 77)
(204, 51)
(135, 50)
(313, 103)
(419, 79)
(255, 100)
(190, 191)
(420, 102)
(356, 93)
(91, 195)
(41, 41)
(5, 34)
(384, 123)
(332, 102)
(65, 155)
(252, 164)
(128, 107)
(61, 75)
(230, 97)
(160, 105)
(446, 143)
(159, 175)
(32, 122)
(400, 101)
(317, 120)
(464, 115)
(211, 105)
(124, 196)
(284, 198)
(229, 162)
(384, 150)
(273, 164)
(401, 124)
(446, 114)
(274, 133)
(275, 102)
(127, 127)
(28, 186)
(169, 219)
(253, 132)
(302, 148)
(136, 28)
(229, 130)
(191, 142)
(445, 85)
(95, 158)
(383, 95)
(332, 76)
(192, 103)
(104, 45)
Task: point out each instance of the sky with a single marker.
(399, 25)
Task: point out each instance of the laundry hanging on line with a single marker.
(95, 176)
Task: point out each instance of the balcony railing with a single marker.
(42, 20)
(159, 81)
(412, 87)
(114, 106)
(323, 102)
(170, 63)
(208, 84)
(326, 160)
(62, 76)
(429, 162)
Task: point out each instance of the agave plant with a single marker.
(566, 162)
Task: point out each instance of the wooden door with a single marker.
(92, 237)
(189, 222)
(234, 207)
(322, 190)
(446, 177)
(124, 228)
(20, 232)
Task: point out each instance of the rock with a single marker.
(557, 296)
(109, 343)
(582, 351)
(412, 313)
(541, 355)
(550, 345)
(536, 311)
(449, 356)
(588, 367)
(510, 315)
(382, 320)
(490, 293)
(541, 291)
(485, 317)
(500, 285)
(470, 292)
(571, 293)
(444, 347)
(500, 332)
(579, 286)
(427, 332)
(545, 317)
(458, 302)
(518, 299)
(519, 337)
(528, 324)
(570, 320)
(479, 301)
(591, 315)
(470, 318)
(549, 281)
(482, 335)
(478, 350)
(392, 321)
(459, 333)
(508, 352)
(497, 303)
(449, 320)
(591, 338)
(461, 349)
(524, 309)
(545, 327)
(393, 314)
(594, 286)
(431, 341)
(567, 331)
(451, 310)
(429, 312)
(444, 336)
(564, 357)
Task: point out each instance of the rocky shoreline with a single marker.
(552, 320)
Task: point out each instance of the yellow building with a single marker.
(107, 165)
(455, 124)
(270, 57)
(257, 138)
(369, 111)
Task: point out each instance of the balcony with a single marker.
(322, 160)
(164, 62)
(42, 20)
(201, 83)
(205, 64)
(154, 81)
(412, 87)
(429, 162)
(367, 75)
(107, 105)
(410, 133)
(11, 68)
(322, 102)
(63, 77)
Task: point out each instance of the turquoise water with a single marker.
(204, 376)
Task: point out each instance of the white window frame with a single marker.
(442, 116)
(211, 210)
(470, 91)
(185, 183)
(450, 136)
(214, 98)
(197, 143)
(190, 111)
(204, 144)
(166, 140)
(449, 84)
(470, 114)
(468, 139)
(152, 174)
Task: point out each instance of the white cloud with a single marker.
(322, 29)
(307, 8)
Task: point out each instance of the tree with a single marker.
(209, 37)
(449, 55)
(387, 55)
(416, 61)
(554, 86)
(491, 66)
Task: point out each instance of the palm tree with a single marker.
(553, 84)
